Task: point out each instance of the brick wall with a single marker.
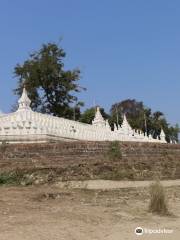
(91, 160)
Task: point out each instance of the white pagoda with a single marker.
(27, 126)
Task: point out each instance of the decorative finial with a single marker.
(24, 101)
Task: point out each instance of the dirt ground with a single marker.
(48, 212)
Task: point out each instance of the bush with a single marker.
(123, 174)
(114, 151)
(158, 202)
(11, 178)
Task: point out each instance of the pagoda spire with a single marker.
(125, 122)
(24, 101)
(162, 136)
(126, 126)
(98, 119)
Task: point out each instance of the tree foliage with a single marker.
(134, 111)
(141, 117)
(51, 88)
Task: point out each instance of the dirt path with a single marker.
(107, 184)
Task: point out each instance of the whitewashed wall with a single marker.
(28, 126)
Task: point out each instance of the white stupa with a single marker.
(26, 126)
(98, 119)
(162, 136)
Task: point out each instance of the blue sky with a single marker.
(125, 49)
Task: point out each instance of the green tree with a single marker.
(51, 88)
(134, 110)
(142, 117)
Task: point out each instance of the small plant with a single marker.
(12, 178)
(124, 174)
(7, 178)
(3, 146)
(158, 202)
(114, 151)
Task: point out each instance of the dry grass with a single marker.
(158, 201)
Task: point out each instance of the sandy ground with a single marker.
(49, 212)
(109, 184)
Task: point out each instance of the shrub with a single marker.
(123, 174)
(3, 146)
(11, 178)
(158, 202)
(114, 151)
